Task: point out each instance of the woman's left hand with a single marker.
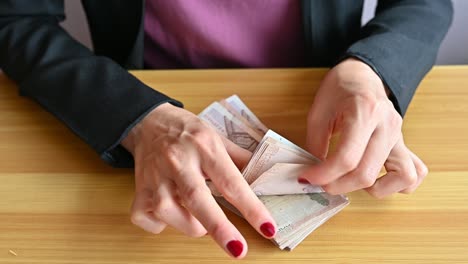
(352, 101)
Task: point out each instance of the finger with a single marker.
(421, 170)
(198, 200)
(369, 167)
(352, 143)
(171, 212)
(319, 131)
(239, 156)
(401, 173)
(235, 189)
(184, 168)
(142, 214)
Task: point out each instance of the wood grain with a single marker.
(59, 203)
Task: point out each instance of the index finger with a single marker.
(352, 143)
(235, 189)
(197, 198)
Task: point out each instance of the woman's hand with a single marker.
(353, 102)
(175, 152)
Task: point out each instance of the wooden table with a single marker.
(59, 203)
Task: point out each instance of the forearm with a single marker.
(96, 98)
(401, 43)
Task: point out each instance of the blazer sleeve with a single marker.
(401, 43)
(95, 97)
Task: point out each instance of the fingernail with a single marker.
(267, 229)
(303, 181)
(235, 247)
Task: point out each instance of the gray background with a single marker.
(453, 50)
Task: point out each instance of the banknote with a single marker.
(281, 179)
(272, 151)
(296, 215)
(272, 173)
(235, 105)
(230, 126)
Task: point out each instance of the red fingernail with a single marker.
(268, 229)
(303, 181)
(235, 247)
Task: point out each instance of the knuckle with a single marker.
(157, 230)
(162, 207)
(375, 108)
(409, 178)
(365, 97)
(206, 142)
(173, 154)
(191, 195)
(195, 125)
(375, 194)
(413, 180)
(218, 228)
(422, 171)
(200, 135)
(137, 218)
(174, 159)
(396, 120)
(140, 219)
(369, 103)
(348, 163)
(367, 178)
(231, 191)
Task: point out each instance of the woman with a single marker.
(375, 71)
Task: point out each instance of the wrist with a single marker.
(131, 139)
(357, 71)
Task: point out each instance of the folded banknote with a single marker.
(272, 173)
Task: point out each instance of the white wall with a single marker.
(75, 23)
(454, 49)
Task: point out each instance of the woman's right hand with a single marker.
(174, 153)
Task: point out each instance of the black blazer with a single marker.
(94, 95)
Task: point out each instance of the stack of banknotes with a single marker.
(272, 173)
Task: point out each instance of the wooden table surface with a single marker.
(59, 203)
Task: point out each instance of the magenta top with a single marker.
(223, 34)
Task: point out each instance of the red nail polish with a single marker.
(303, 181)
(235, 247)
(267, 229)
